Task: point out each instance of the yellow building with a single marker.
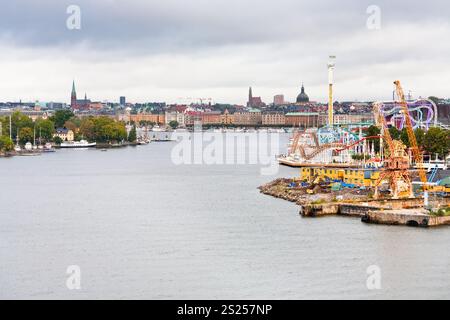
(273, 118)
(357, 176)
(64, 134)
(149, 117)
(226, 117)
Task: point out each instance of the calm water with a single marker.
(140, 227)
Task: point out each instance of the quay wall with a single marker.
(414, 219)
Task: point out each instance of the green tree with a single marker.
(26, 135)
(87, 129)
(173, 124)
(20, 121)
(6, 144)
(434, 99)
(420, 137)
(358, 156)
(71, 125)
(132, 136)
(395, 133)
(106, 129)
(57, 140)
(5, 125)
(437, 141)
(404, 137)
(45, 129)
(374, 131)
(61, 116)
(418, 133)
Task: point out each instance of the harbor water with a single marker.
(141, 227)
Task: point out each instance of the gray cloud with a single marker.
(198, 23)
(220, 47)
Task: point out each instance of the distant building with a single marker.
(96, 106)
(148, 117)
(190, 117)
(273, 118)
(123, 101)
(226, 117)
(303, 119)
(170, 116)
(254, 102)
(32, 114)
(56, 105)
(302, 97)
(278, 99)
(443, 108)
(211, 117)
(367, 118)
(64, 134)
(253, 117)
(76, 104)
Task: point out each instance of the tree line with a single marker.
(101, 129)
(434, 141)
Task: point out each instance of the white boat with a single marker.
(28, 146)
(48, 147)
(157, 128)
(143, 142)
(78, 144)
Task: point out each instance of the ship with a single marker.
(78, 144)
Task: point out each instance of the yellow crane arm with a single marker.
(381, 121)
(411, 136)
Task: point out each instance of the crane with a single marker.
(396, 165)
(411, 136)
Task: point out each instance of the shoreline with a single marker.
(355, 203)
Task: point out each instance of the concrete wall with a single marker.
(407, 219)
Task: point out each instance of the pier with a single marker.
(357, 203)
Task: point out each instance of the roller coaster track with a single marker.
(318, 150)
(418, 106)
(339, 147)
(357, 142)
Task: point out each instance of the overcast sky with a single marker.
(172, 50)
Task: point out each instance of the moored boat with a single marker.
(78, 144)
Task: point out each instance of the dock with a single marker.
(407, 217)
(356, 203)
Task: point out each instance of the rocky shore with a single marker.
(292, 190)
(319, 200)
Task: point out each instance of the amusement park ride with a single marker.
(396, 165)
(328, 144)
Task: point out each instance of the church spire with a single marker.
(74, 93)
(73, 96)
(250, 97)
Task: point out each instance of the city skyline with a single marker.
(150, 51)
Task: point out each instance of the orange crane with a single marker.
(411, 136)
(381, 120)
(396, 165)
